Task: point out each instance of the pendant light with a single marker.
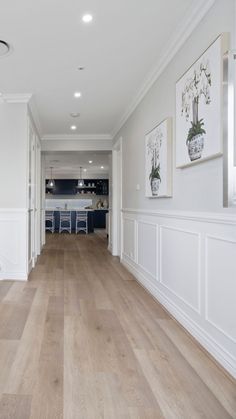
(51, 182)
(80, 180)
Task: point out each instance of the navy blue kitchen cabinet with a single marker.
(100, 218)
(70, 187)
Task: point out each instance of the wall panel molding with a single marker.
(13, 244)
(225, 290)
(207, 217)
(204, 301)
(196, 256)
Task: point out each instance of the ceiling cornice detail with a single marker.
(76, 137)
(189, 23)
(16, 97)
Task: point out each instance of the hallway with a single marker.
(83, 340)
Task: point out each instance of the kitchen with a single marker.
(77, 192)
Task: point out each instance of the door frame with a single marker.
(117, 200)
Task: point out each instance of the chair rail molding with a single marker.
(198, 286)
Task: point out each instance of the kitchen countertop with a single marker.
(77, 209)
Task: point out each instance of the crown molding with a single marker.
(77, 137)
(27, 98)
(16, 97)
(190, 21)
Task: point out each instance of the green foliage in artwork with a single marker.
(196, 129)
(155, 173)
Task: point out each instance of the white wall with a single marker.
(14, 191)
(183, 249)
(13, 155)
(197, 188)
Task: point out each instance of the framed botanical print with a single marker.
(199, 127)
(158, 167)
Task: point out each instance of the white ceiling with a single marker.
(118, 49)
(67, 164)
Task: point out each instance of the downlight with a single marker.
(4, 48)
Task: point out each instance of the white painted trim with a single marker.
(198, 235)
(207, 217)
(216, 238)
(16, 97)
(64, 137)
(117, 220)
(180, 36)
(15, 276)
(214, 348)
(137, 223)
(14, 210)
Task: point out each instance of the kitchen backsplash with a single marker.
(73, 202)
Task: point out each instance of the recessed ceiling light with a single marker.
(90, 161)
(75, 114)
(85, 170)
(73, 127)
(87, 18)
(102, 167)
(77, 94)
(4, 48)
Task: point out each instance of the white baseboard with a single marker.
(216, 350)
(15, 276)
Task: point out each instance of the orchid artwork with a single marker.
(198, 109)
(157, 161)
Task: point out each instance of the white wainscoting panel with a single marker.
(187, 261)
(221, 285)
(129, 238)
(13, 244)
(180, 264)
(147, 233)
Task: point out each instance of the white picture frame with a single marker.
(199, 99)
(158, 160)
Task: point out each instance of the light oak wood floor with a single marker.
(83, 340)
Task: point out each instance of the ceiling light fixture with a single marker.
(77, 94)
(102, 167)
(85, 170)
(4, 48)
(87, 18)
(74, 114)
(73, 127)
(51, 182)
(80, 180)
(90, 161)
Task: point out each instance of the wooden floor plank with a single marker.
(47, 402)
(15, 407)
(82, 339)
(13, 315)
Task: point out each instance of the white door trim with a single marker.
(117, 198)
